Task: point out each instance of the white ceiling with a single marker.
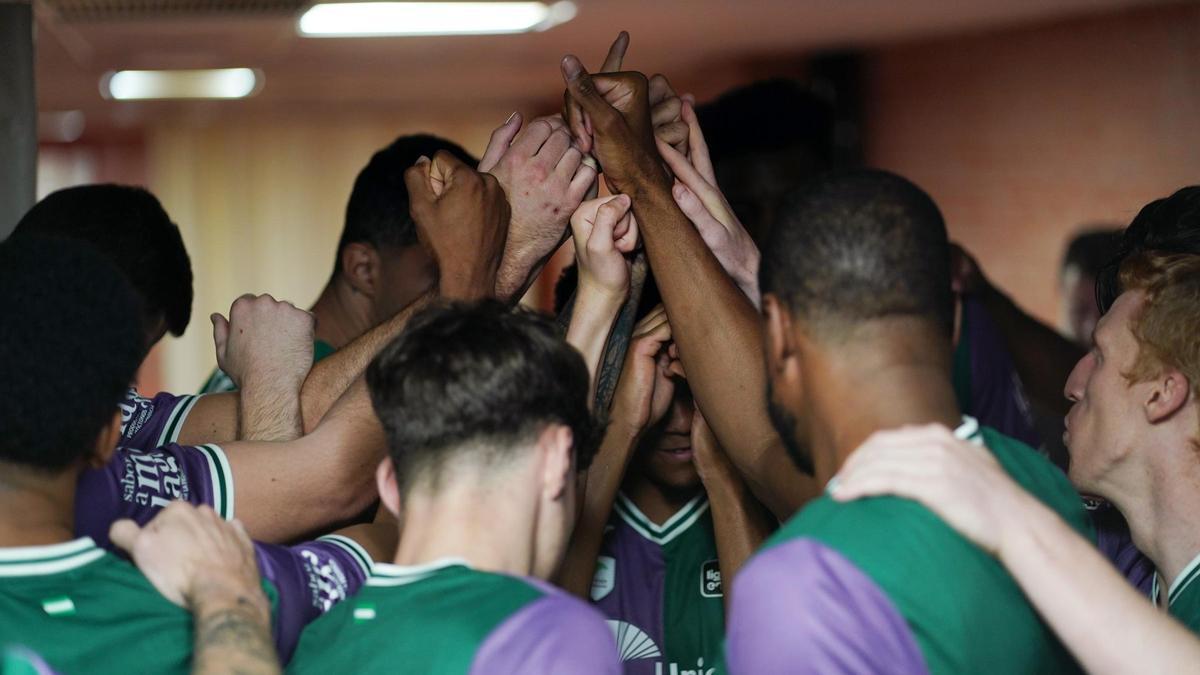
(672, 36)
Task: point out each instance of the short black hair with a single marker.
(860, 244)
(1091, 249)
(1168, 225)
(377, 212)
(765, 116)
(70, 345)
(130, 227)
(478, 378)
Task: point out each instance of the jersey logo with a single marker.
(135, 412)
(605, 579)
(632, 642)
(710, 580)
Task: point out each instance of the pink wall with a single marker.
(1023, 135)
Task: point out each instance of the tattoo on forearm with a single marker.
(618, 340)
(234, 640)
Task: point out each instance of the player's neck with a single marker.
(1164, 517)
(37, 509)
(868, 400)
(493, 533)
(656, 502)
(342, 314)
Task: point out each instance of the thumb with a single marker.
(124, 533)
(693, 208)
(220, 335)
(583, 89)
(420, 192)
(501, 138)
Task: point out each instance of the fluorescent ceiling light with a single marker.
(367, 19)
(128, 85)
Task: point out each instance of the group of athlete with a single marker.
(800, 444)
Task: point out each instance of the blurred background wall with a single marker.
(1023, 121)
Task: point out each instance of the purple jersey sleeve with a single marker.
(137, 484)
(557, 633)
(1116, 543)
(309, 579)
(801, 607)
(997, 396)
(149, 423)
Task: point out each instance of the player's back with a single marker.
(86, 611)
(447, 618)
(883, 585)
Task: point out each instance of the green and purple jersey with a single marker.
(149, 423)
(83, 610)
(445, 618)
(882, 585)
(660, 587)
(1183, 596)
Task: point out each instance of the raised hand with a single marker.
(700, 199)
(666, 109)
(959, 481)
(647, 384)
(545, 180)
(605, 232)
(463, 216)
(581, 128)
(613, 110)
(264, 341)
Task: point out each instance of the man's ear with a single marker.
(389, 489)
(1171, 391)
(555, 444)
(361, 267)
(781, 344)
(106, 443)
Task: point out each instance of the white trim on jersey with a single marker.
(387, 574)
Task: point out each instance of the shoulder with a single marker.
(1040, 478)
(800, 606)
(553, 632)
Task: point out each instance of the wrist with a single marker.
(599, 297)
(217, 595)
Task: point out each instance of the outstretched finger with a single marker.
(616, 54)
(501, 138)
(697, 146)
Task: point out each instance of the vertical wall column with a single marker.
(18, 113)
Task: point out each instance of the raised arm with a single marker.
(716, 327)
(741, 524)
(1105, 623)
(604, 233)
(1042, 357)
(642, 398)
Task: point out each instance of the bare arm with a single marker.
(1105, 623)
(284, 491)
(643, 397)
(741, 524)
(331, 376)
(604, 234)
(1042, 357)
(717, 329)
(214, 419)
(233, 635)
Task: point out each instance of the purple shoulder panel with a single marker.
(556, 633)
(998, 398)
(1116, 543)
(147, 423)
(310, 579)
(137, 484)
(801, 607)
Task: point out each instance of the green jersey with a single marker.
(884, 585)
(1183, 596)
(219, 382)
(446, 618)
(86, 611)
(660, 586)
